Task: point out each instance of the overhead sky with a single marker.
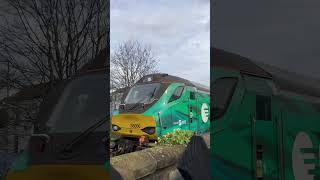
(284, 33)
(178, 32)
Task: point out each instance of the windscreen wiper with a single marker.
(85, 134)
(154, 91)
(136, 105)
(152, 96)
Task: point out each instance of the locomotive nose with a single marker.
(134, 125)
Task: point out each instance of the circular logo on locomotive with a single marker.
(204, 112)
(300, 168)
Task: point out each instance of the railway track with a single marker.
(119, 146)
(128, 146)
(122, 150)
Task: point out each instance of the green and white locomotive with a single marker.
(160, 103)
(266, 121)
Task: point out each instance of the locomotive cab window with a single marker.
(176, 94)
(192, 95)
(263, 108)
(222, 91)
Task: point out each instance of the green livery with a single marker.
(176, 114)
(158, 104)
(266, 122)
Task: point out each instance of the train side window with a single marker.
(176, 94)
(222, 92)
(192, 95)
(263, 108)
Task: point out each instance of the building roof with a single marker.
(29, 93)
(120, 90)
(284, 80)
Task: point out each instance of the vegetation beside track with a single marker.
(178, 137)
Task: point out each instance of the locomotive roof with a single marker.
(284, 80)
(166, 78)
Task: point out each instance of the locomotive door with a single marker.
(193, 111)
(265, 145)
(179, 109)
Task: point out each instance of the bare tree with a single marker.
(45, 41)
(131, 61)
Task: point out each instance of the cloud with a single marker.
(178, 32)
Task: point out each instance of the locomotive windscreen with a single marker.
(143, 93)
(80, 105)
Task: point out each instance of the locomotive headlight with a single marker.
(115, 128)
(149, 130)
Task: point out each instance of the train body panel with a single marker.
(260, 130)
